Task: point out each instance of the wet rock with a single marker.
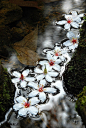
(5, 35)
(30, 123)
(6, 92)
(20, 30)
(81, 105)
(9, 12)
(75, 74)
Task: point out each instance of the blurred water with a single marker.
(61, 106)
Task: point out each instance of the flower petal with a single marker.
(33, 93)
(23, 84)
(15, 80)
(48, 78)
(21, 99)
(40, 77)
(33, 110)
(56, 67)
(77, 19)
(81, 15)
(74, 24)
(58, 61)
(43, 62)
(67, 43)
(73, 46)
(53, 74)
(62, 22)
(29, 78)
(23, 112)
(34, 100)
(42, 96)
(37, 70)
(74, 13)
(16, 74)
(57, 48)
(25, 72)
(67, 26)
(49, 56)
(43, 82)
(62, 58)
(50, 90)
(18, 106)
(33, 85)
(68, 16)
(71, 35)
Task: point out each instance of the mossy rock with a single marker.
(81, 105)
(9, 13)
(6, 92)
(75, 74)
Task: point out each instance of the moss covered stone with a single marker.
(6, 92)
(75, 74)
(81, 105)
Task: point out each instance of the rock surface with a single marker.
(9, 12)
(6, 92)
(81, 105)
(75, 74)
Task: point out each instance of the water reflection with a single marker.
(67, 5)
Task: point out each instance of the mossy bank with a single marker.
(6, 92)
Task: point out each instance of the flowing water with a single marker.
(60, 105)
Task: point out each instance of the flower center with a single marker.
(45, 70)
(69, 21)
(27, 104)
(40, 89)
(51, 62)
(22, 77)
(56, 53)
(74, 41)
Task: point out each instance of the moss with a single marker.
(6, 92)
(81, 104)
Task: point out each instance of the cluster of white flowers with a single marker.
(46, 71)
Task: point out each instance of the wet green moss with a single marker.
(81, 104)
(6, 92)
(75, 75)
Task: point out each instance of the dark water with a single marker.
(66, 114)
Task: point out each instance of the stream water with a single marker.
(59, 111)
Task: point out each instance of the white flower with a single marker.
(57, 52)
(76, 17)
(71, 20)
(40, 90)
(24, 107)
(45, 73)
(22, 77)
(72, 43)
(52, 62)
